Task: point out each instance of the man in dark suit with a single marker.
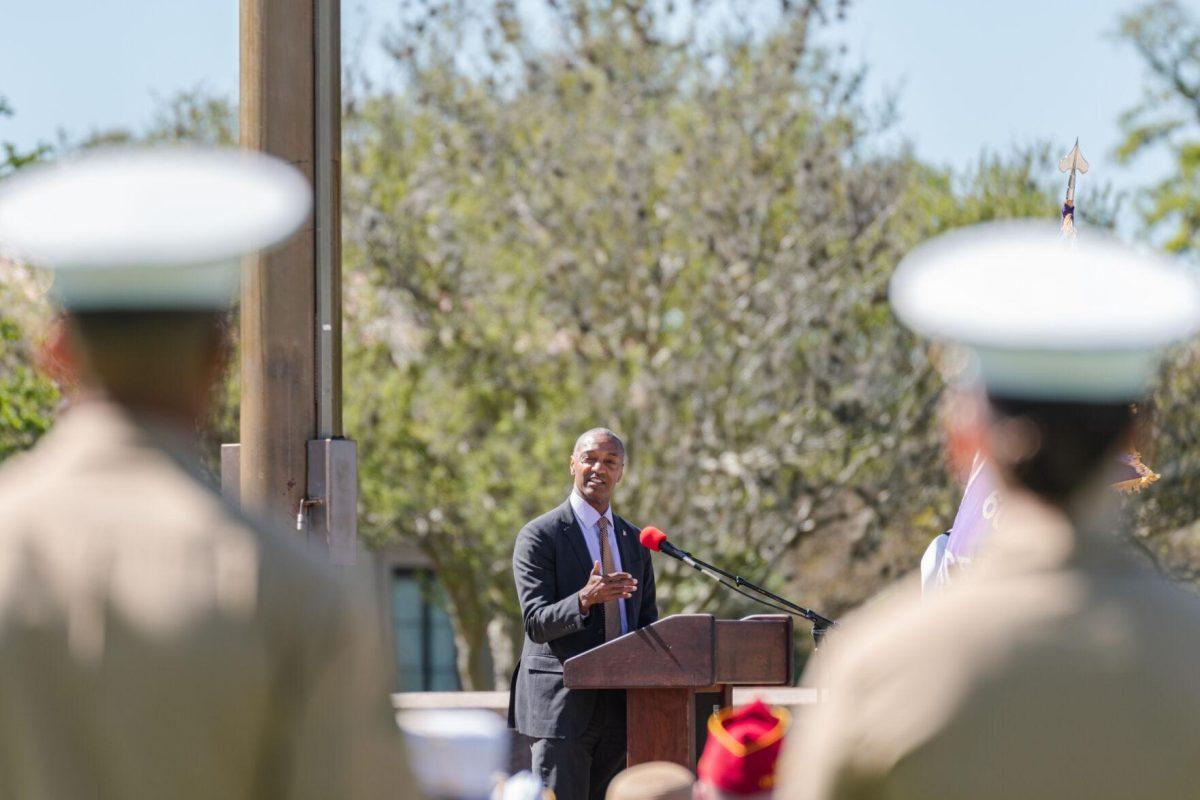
(582, 578)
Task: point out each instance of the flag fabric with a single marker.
(1133, 475)
(979, 515)
(1068, 220)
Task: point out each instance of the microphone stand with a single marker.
(821, 624)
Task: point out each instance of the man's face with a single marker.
(596, 467)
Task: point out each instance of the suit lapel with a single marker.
(626, 545)
(630, 559)
(569, 526)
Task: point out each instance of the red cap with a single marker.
(743, 745)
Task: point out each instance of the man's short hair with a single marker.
(1074, 442)
(604, 432)
(140, 354)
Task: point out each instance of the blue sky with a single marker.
(969, 75)
(997, 74)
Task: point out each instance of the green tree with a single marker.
(669, 222)
(1166, 34)
(27, 398)
(13, 157)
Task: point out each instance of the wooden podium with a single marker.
(677, 671)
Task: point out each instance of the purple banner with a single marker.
(978, 517)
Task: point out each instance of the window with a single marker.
(425, 653)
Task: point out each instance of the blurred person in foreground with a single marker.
(583, 579)
(982, 508)
(463, 754)
(153, 642)
(1061, 665)
(981, 511)
(742, 751)
(653, 780)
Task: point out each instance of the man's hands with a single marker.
(601, 588)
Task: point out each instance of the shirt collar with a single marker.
(587, 515)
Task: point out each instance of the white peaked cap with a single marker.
(1048, 318)
(150, 228)
(456, 753)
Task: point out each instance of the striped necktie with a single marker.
(612, 609)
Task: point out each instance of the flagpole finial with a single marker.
(1073, 162)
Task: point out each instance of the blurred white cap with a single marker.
(458, 753)
(522, 786)
(149, 228)
(1048, 318)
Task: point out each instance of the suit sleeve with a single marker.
(547, 617)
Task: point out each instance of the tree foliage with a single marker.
(27, 398)
(1166, 34)
(685, 236)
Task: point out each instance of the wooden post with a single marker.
(290, 311)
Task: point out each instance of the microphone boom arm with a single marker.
(697, 565)
(820, 623)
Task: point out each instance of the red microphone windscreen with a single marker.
(652, 537)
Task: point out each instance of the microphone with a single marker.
(654, 539)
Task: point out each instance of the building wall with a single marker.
(420, 632)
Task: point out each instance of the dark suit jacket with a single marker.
(551, 564)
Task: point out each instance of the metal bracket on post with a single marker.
(231, 473)
(333, 496)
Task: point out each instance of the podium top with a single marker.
(689, 651)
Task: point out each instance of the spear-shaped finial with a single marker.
(1072, 162)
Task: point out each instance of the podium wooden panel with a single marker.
(676, 670)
